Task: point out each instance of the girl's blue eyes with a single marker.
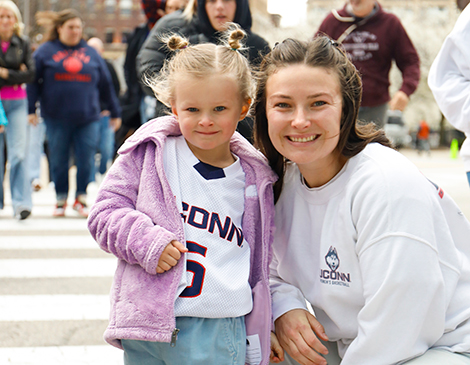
(217, 109)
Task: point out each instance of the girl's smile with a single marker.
(209, 117)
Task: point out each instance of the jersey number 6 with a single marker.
(197, 269)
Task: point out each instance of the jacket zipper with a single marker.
(174, 337)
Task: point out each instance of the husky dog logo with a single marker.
(332, 259)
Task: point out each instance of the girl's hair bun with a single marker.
(176, 42)
(234, 37)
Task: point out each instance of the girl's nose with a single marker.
(206, 121)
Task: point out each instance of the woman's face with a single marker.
(303, 109)
(7, 22)
(221, 12)
(70, 33)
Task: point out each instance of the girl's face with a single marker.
(220, 12)
(7, 22)
(208, 110)
(70, 33)
(303, 109)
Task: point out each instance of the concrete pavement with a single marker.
(55, 281)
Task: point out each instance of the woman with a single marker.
(71, 80)
(211, 17)
(16, 68)
(381, 253)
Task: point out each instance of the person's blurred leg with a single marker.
(59, 139)
(16, 133)
(85, 141)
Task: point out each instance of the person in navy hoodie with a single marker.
(71, 80)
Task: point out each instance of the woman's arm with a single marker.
(26, 72)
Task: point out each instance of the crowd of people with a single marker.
(257, 217)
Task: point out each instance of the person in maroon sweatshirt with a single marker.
(373, 38)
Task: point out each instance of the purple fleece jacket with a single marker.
(135, 217)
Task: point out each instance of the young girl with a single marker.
(380, 252)
(188, 210)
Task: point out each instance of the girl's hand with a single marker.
(2, 128)
(4, 73)
(297, 332)
(277, 353)
(170, 256)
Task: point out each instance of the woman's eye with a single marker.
(219, 108)
(282, 105)
(319, 103)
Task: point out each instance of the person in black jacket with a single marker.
(106, 134)
(212, 17)
(16, 68)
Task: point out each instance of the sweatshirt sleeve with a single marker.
(285, 296)
(449, 76)
(106, 87)
(33, 89)
(409, 268)
(407, 60)
(118, 227)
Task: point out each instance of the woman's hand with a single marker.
(115, 123)
(170, 256)
(297, 332)
(4, 73)
(277, 353)
(2, 128)
(33, 119)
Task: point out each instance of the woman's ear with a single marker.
(245, 108)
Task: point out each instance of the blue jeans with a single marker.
(468, 177)
(61, 136)
(105, 146)
(201, 341)
(16, 137)
(37, 135)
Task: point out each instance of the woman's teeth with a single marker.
(304, 139)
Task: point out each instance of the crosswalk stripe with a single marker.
(53, 307)
(57, 268)
(47, 242)
(60, 355)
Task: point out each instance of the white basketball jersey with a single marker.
(211, 202)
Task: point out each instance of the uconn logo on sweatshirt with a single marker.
(331, 276)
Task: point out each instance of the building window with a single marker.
(109, 37)
(126, 34)
(110, 6)
(125, 7)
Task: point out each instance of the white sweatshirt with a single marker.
(381, 253)
(449, 80)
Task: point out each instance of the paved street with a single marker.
(54, 280)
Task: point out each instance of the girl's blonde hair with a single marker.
(18, 26)
(203, 60)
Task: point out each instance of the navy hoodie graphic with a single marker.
(70, 82)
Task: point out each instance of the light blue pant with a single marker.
(105, 146)
(16, 137)
(147, 108)
(37, 135)
(468, 177)
(201, 341)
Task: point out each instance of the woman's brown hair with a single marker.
(318, 52)
(51, 20)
